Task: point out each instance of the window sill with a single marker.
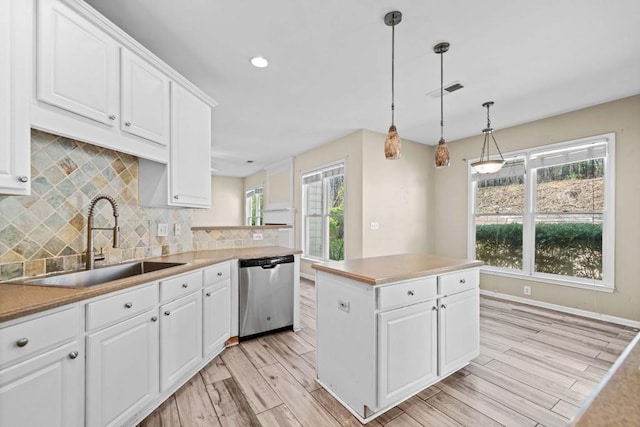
(547, 279)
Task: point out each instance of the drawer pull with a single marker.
(208, 294)
(411, 293)
(73, 355)
(128, 304)
(22, 342)
(463, 281)
(167, 313)
(127, 124)
(185, 285)
(154, 319)
(434, 308)
(219, 273)
(112, 117)
(443, 306)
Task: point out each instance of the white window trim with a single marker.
(246, 190)
(304, 256)
(608, 224)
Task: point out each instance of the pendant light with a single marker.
(442, 152)
(485, 164)
(392, 143)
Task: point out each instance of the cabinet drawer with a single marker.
(181, 285)
(37, 335)
(120, 307)
(405, 293)
(217, 273)
(459, 281)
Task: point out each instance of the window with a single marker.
(254, 202)
(548, 214)
(323, 213)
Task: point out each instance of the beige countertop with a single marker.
(20, 300)
(616, 400)
(392, 268)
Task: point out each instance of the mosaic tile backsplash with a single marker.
(46, 231)
(235, 238)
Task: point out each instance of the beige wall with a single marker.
(396, 194)
(450, 199)
(279, 187)
(227, 203)
(256, 180)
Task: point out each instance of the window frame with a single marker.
(257, 189)
(325, 215)
(607, 284)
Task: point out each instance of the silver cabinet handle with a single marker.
(154, 319)
(23, 178)
(112, 117)
(22, 342)
(208, 294)
(176, 197)
(185, 285)
(127, 124)
(167, 313)
(73, 355)
(411, 293)
(463, 281)
(219, 273)
(434, 308)
(128, 304)
(443, 306)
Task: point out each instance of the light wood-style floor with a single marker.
(536, 367)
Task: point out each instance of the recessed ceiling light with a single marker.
(249, 161)
(259, 62)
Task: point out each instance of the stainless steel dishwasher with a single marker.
(266, 294)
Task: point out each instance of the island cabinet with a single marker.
(379, 344)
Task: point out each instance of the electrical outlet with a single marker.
(177, 229)
(163, 230)
(375, 225)
(527, 290)
(257, 236)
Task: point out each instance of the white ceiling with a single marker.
(329, 68)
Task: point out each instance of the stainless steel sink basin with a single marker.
(98, 276)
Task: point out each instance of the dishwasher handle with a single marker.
(268, 262)
(269, 267)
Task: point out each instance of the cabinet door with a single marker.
(407, 354)
(122, 369)
(15, 87)
(216, 317)
(180, 338)
(459, 330)
(77, 64)
(145, 100)
(45, 390)
(190, 165)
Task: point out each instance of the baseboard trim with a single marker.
(564, 309)
(307, 276)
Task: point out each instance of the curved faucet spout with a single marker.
(90, 261)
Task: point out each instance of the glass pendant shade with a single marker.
(442, 154)
(392, 144)
(486, 164)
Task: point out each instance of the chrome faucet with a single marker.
(90, 261)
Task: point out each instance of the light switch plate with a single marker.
(177, 229)
(257, 236)
(163, 230)
(375, 225)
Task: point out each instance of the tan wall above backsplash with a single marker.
(46, 231)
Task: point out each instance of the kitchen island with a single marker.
(388, 327)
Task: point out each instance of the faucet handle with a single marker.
(98, 257)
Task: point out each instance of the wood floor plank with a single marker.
(292, 362)
(280, 416)
(566, 409)
(460, 412)
(332, 406)
(390, 415)
(516, 403)
(403, 420)
(294, 342)
(568, 353)
(428, 392)
(194, 406)
(231, 405)
(259, 394)
(310, 357)
(427, 415)
(165, 416)
(215, 371)
(307, 322)
(306, 409)
(309, 335)
(257, 352)
(482, 359)
(562, 369)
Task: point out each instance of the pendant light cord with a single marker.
(393, 44)
(441, 97)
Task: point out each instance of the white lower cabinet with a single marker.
(122, 369)
(407, 351)
(216, 317)
(180, 338)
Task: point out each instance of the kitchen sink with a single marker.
(98, 276)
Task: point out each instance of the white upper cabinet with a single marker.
(15, 86)
(190, 161)
(145, 108)
(77, 64)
